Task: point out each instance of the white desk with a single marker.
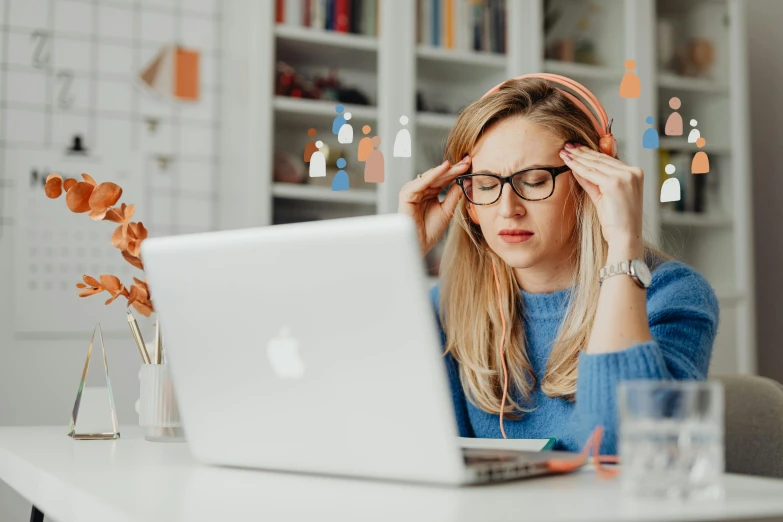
(132, 480)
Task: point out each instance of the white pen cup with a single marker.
(158, 412)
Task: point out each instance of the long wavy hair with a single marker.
(469, 302)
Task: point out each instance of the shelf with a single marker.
(308, 113)
(435, 121)
(584, 71)
(442, 64)
(694, 219)
(458, 57)
(317, 193)
(684, 83)
(304, 45)
(681, 144)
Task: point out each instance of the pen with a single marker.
(134, 326)
(158, 344)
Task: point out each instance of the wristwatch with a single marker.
(636, 268)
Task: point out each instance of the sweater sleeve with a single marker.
(457, 395)
(683, 315)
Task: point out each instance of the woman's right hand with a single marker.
(419, 199)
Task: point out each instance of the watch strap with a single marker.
(620, 267)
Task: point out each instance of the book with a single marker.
(293, 12)
(341, 12)
(448, 24)
(317, 14)
(508, 444)
(425, 15)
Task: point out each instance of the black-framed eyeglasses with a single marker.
(532, 184)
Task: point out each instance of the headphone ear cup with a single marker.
(608, 145)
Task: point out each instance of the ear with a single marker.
(472, 213)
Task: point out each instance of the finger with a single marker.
(591, 174)
(591, 188)
(597, 164)
(449, 203)
(442, 178)
(587, 152)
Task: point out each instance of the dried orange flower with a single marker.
(98, 200)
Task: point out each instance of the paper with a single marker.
(508, 444)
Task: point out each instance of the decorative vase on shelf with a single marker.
(94, 416)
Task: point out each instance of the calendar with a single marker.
(77, 97)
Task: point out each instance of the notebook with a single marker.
(512, 444)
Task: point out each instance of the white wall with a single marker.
(103, 44)
(765, 49)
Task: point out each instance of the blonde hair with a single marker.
(468, 298)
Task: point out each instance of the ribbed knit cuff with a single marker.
(596, 388)
(599, 373)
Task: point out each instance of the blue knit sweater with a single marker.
(682, 310)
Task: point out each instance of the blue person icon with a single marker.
(650, 136)
(339, 120)
(340, 181)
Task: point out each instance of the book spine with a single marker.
(293, 12)
(477, 25)
(435, 23)
(355, 19)
(503, 22)
(329, 15)
(307, 16)
(448, 23)
(341, 11)
(279, 11)
(486, 27)
(425, 12)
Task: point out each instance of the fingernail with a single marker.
(445, 162)
(569, 145)
(565, 154)
(465, 159)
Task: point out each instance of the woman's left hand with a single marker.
(617, 190)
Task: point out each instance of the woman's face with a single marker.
(511, 145)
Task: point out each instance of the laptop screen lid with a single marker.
(307, 347)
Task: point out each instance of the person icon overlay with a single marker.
(340, 181)
(700, 163)
(630, 86)
(318, 162)
(310, 147)
(373, 167)
(674, 122)
(365, 144)
(339, 120)
(670, 189)
(402, 142)
(694, 134)
(345, 135)
(650, 136)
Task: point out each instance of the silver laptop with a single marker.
(313, 347)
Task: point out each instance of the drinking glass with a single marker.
(671, 438)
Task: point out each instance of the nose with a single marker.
(510, 204)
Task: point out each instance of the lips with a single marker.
(515, 232)
(515, 235)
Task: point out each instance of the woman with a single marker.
(534, 248)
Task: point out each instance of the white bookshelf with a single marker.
(392, 67)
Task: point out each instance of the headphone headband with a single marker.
(597, 115)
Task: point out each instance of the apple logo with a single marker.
(283, 353)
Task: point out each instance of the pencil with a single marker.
(134, 326)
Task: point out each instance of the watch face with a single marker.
(642, 272)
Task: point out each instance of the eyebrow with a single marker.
(536, 166)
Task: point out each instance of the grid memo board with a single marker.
(72, 102)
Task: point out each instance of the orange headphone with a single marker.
(608, 145)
